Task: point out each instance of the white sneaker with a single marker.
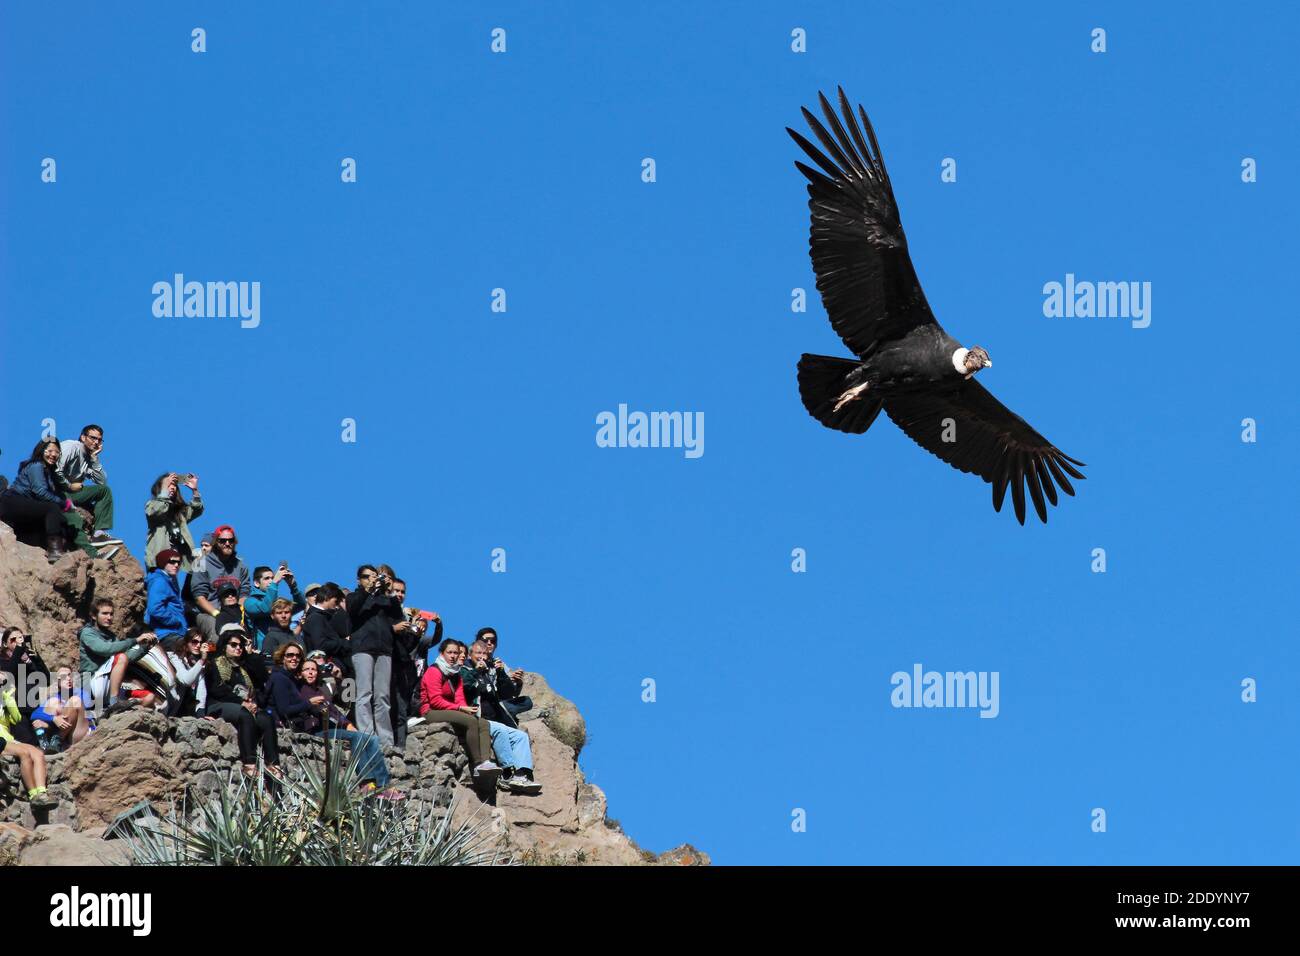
(413, 722)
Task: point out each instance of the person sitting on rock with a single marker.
(278, 634)
(516, 704)
(442, 700)
(221, 562)
(68, 714)
(19, 658)
(168, 516)
(99, 645)
(31, 761)
(148, 682)
(39, 494)
(486, 683)
(268, 587)
(164, 611)
(232, 696)
(79, 464)
(188, 654)
(304, 713)
(323, 719)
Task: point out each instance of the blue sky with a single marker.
(476, 430)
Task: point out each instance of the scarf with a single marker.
(449, 670)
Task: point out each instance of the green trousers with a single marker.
(78, 525)
(99, 499)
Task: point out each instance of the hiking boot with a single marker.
(55, 547)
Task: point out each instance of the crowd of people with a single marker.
(251, 648)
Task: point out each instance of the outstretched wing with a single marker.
(986, 439)
(858, 249)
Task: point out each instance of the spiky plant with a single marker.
(313, 819)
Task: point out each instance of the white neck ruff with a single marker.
(959, 361)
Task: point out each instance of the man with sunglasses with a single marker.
(222, 561)
(164, 612)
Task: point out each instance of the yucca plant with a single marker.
(313, 819)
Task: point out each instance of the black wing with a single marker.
(858, 249)
(989, 440)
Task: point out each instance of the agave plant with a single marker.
(311, 818)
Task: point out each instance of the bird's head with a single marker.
(977, 359)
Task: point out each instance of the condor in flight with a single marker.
(907, 364)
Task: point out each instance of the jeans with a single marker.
(512, 745)
(370, 758)
(374, 683)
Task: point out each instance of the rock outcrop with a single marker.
(137, 756)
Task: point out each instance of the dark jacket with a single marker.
(372, 617)
(283, 699)
(488, 689)
(326, 631)
(236, 690)
(164, 611)
(22, 671)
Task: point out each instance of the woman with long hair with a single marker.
(188, 654)
(169, 515)
(39, 494)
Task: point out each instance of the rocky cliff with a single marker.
(142, 756)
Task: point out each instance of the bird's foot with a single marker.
(851, 395)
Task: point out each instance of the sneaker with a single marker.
(107, 555)
(101, 538)
(413, 722)
(521, 784)
(391, 794)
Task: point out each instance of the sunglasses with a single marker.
(292, 657)
(173, 561)
(225, 541)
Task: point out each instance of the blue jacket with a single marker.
(258, 606)
(164, 611)
(34, 481)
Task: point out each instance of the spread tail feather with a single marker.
(822, 382)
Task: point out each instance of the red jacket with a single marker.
(437, 693)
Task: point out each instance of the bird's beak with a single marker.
(988, 363)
